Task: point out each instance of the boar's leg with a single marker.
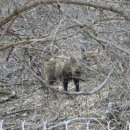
(76, 82)
(65, 83)
(52, 80)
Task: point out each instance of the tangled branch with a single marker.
(17, 12)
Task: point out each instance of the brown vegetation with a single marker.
(95, 34)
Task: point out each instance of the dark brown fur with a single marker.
(63, 70)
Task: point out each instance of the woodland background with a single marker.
(94, 32)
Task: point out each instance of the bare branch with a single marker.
(97, 89)
(75, 120)
(3, 46)
(16, 12)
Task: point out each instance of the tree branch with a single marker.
(16, 12)
(4, 46)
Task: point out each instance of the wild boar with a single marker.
(64, 70)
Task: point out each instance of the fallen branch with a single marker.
(97, 89)
(2, 47)
(84, 92)
(18, 111)
(10, 95)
